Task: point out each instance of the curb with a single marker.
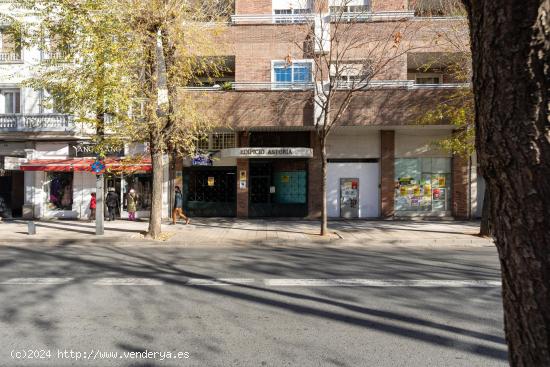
(117, 241)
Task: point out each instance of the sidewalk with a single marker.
(221, 232)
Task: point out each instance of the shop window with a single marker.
(422, 184)
(143, 186)
(59, 190)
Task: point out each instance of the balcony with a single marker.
(37, 123)
(8, 57)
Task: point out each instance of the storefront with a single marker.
(353, 174)
(423, 185)
(64, 186)
(210, 191)
(273, 174)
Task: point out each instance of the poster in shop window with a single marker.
(211, 181)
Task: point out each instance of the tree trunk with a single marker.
(324, 220)
(511, 79)
(485, 227)
(156, 204)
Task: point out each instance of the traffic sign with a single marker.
(98, 167)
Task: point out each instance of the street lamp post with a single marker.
(99, 216)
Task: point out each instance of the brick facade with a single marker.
(389, 5)
(387, 173)
(315, 177)
(253, 6)
(460, 194)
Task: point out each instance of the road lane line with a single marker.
(423, 283)
(220, 281)
(128, 281)
(39, 281)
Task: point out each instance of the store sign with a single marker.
(87, 149)
(267, 153)
(13, 163)
(202, 160)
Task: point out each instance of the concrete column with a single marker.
(387, 173)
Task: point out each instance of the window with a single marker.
(286, 15)
(285, 74)
(223, 141)
(350, 8)
(352, 72)
(422, 184)
(428, 80)
(217, 141)
(10, 50)
(59, 188)
(12, 101)
(51, 102)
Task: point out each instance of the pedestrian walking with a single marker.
(178, 207)
(132, 205)
(93, 204)
(112, 202)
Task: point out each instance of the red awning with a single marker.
(85, 165)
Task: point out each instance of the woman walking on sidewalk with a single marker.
(93, 204)
(178, 207)
(132, 205)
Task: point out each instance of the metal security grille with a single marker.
(212, 186)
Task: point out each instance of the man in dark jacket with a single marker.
(112, 203)
(178, 207)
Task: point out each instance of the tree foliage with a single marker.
(121, 66)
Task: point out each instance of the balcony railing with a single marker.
(271, 18)
(54, 56)
(249, 86)
(37, 123)
(397, 84)
(9, 56)
(371, 16)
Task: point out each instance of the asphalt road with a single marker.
(257, 306)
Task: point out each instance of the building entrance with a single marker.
(210, 191)
(278, 188)
(12, 184)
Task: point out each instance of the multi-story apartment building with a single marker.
(382, 162)
(265, 160)
(45, 156)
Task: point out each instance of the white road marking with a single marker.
(128, 281)
(337, 282)
(20, 281)
(220, 281)
(426, 283)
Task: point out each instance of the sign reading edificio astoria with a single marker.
(267, 153)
